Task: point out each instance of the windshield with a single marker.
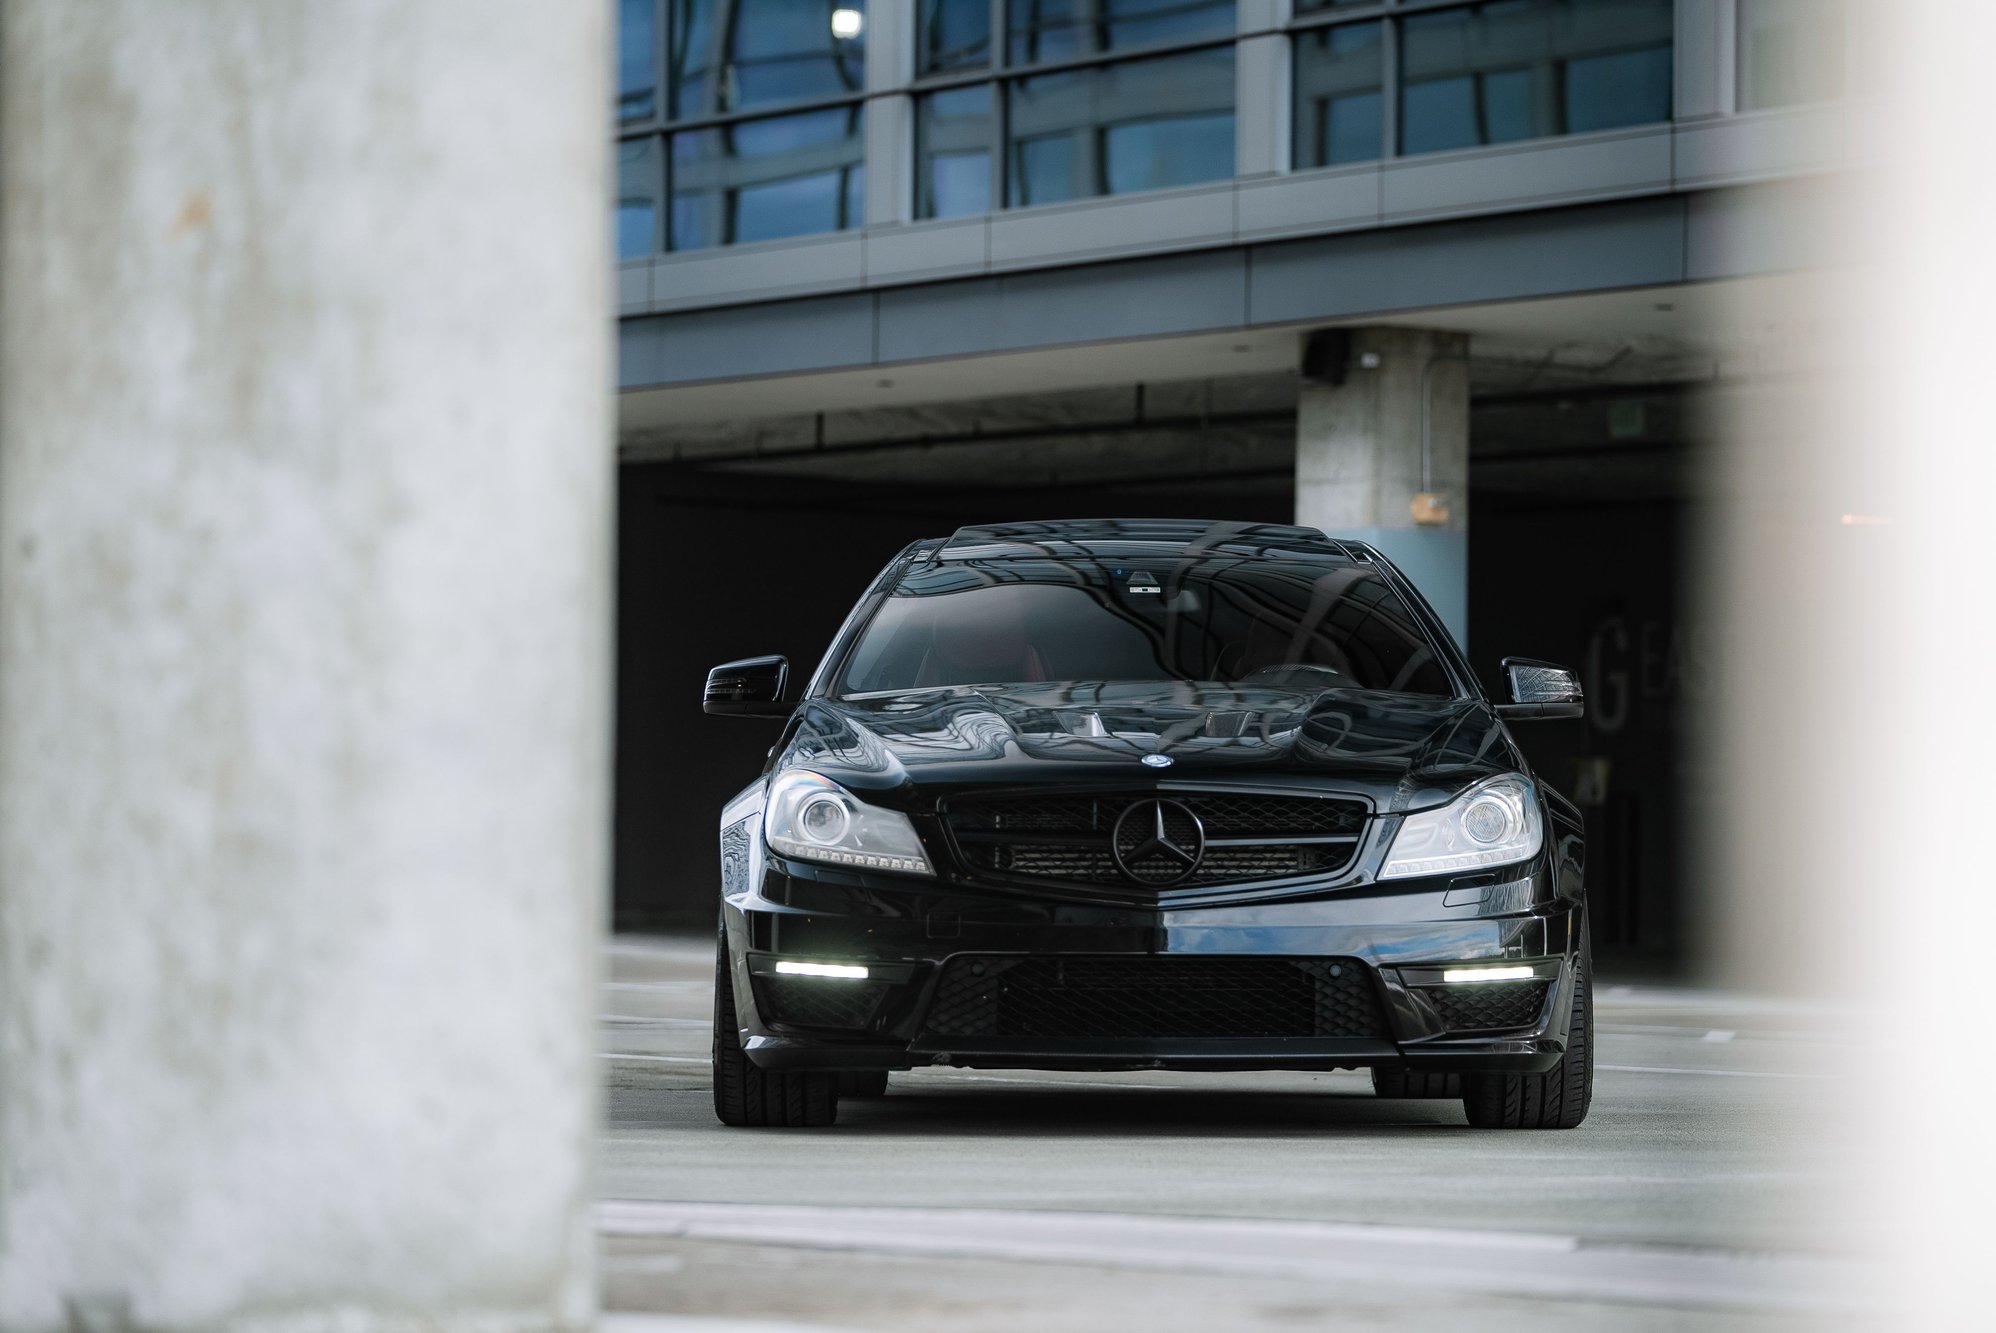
(1298, 623)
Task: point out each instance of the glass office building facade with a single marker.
(746, 120)
(1079, 98)
(740, 120)
(1378, 81)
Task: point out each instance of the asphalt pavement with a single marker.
(1707, 1189)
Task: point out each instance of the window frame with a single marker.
(1745, 83)
(1390, 14)
(661, 126)
(1001, 73)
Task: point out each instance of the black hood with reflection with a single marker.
(1404, 750)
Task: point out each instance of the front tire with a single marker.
(1556, 1099)
(761, 1098)
(1388, 1081)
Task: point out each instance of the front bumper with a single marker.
(1397, 940)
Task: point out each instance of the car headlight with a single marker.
(1491, 824)
(813, 818)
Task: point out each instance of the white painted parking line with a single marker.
(680, 987)
(660, 1059)
(654, 1022)
(1723, 1073)
(1546, 1266)
(939, 1078)
(1681, 1000)
(1719, 1035)
(622, 1322)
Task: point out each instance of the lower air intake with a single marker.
(1113, 997)
(1488, 1005)
(819, 1002)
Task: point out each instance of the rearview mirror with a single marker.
(752, 687)
(1539, 690)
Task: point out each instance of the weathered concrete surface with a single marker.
(304, 465)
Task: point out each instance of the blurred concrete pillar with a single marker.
(1359, 455)
(304, 482)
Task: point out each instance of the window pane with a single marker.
(1062, 29)
(1791, 51)
(1628, 88)
(1339, 104)
(956, 34)
(1312, 6)
(1143, 125)
(1216, 621)
(800, 206)
(690, 60)
(789, 50)
(637, 60)
(1045, 117)
(764, 179)
(1521, 69)
(697, 199)
(637, 197)
(953, 132)
(1158, 154)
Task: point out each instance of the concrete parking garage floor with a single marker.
(1705, 1190)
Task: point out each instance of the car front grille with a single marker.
(1122, 997)
(1239, 838)
(1488, 1005)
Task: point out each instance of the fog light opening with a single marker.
(845, 971)
(1457, 976)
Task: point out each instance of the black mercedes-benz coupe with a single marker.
(1121, 794)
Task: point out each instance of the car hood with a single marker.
(1405, 751)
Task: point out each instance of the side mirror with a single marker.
(752, 687)
(1539, 690)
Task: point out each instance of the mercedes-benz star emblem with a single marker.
(1158, 761)
(1158, 843)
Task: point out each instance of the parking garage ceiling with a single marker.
(1575, 397)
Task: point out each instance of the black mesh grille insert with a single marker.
(1489, 1004)
(819, 1002)
(1241, 837)
(1139, 997)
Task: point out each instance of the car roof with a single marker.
(1138, 537)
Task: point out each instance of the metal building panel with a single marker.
(634, 286)
(1543, 171)
(1508, 257)
(954, 248)
(1097, 228)
(1310, 202)
(769, 270)
(1778, 227)
(774, 339)
(1095, 303)
(638, 352)
(1760, 146)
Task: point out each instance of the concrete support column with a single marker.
(1359, 457)
(304, 556)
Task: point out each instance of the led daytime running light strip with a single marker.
(1456, 976)
(791, 968)
(868, 859)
